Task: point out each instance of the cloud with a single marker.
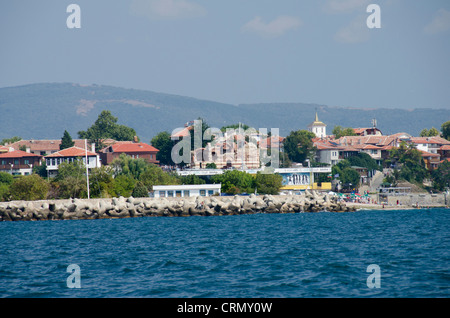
(440, 22)
(166, 9)
(356, 32)
(275, 28)
(345, 6)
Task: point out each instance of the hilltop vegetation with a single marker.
(43, 111)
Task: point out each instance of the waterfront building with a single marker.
(43, 147)
(70, 155)
(18, 162)
(188, 190)
(133, 149)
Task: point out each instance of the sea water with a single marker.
(261, 255)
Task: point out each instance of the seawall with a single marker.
(76, 209)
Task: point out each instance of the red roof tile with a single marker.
(18, 154)
(71, 152)
(133, 147)
(429, 154)
(46, 145)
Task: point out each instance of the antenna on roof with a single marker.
(374, 123)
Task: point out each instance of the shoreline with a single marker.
(372, 206)
(98, 208)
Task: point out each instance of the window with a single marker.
(16, 161)
(178, 193)
(203, 193)
(43, 153)
(26, 161)
(210, 192)
(3, 162)
(170, 193)
(186, 193)
(162, 194)
(53, 161)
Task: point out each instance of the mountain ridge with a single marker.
(45, 110)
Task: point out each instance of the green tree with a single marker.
(364, 160)
(66, 141)
(5, 182)
(154, 175)
(101, 182)
(268, 183)
(41, 170)
(164, 144)
(298, 145)
(140, 190)
(192, 179)
(124, 185)
(106, 127)
(6, 178)
(445, 128)
(339, 131)
(350, 175)
(31, 187)
(441, 176)
(5, 193)
(429, 133)
(10, 140)
(129, 166)
(71, 180)
(235, 181)
(410, 161)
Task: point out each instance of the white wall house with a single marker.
(70, 155)
(189, 190)
(328, 156)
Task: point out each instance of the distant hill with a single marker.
(44, 111)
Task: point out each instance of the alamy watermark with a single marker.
(74, 19)
(234, 147)
(373, 20)
(74, 279)
(374, 279)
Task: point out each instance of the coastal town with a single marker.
(356, 165)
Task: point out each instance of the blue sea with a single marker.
(250, 256)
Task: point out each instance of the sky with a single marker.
(237, 51)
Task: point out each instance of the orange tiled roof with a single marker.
(429, 154)
(133, 147)
(71, 152)
(18, 154)
(430, 140)
(445, 147)
(45, 145)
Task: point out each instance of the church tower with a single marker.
(318, 128)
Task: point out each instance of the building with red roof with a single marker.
(18, 162)
(70, 155)
(133, 149)
(46, 146)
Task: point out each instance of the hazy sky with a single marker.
(237, 51)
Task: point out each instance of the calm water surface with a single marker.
(263, 255)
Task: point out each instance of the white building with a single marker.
(318, 128)
(70, 155)
(188, 190)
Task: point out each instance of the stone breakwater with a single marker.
(76, 209)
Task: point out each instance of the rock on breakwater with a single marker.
(75, 209)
